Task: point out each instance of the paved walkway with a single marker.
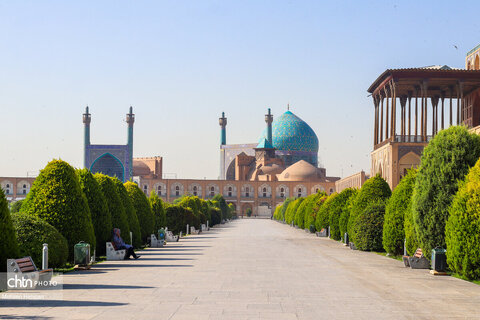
(255, 269)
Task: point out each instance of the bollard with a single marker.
(186, 233)
(405, 247)
(207, 226)
(131, 238)
(346, 239)
(93, 257)
(329, 231)
(45, 256)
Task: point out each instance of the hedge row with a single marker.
(66, 206)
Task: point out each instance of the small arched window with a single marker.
(229, 188)
(212, 189)
(177, 188)
(195, 188)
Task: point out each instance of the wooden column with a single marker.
(458, 104)
(416, 114)
(387, 115)
(403, 102)
(381, 117)
(375, 122)
(443, 107)
(409, 113)
(425, 107)
(462, 108)
(394, 110)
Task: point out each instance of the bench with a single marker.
(417, 261)
(321, 233)
(113, 254)
(24, 268)
(204, 228)
(155, 243)
(193, 230)
(170, 237)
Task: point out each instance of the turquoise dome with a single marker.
(290, 133)
(294, 139)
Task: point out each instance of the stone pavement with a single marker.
(255, 269)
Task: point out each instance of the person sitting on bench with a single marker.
(119, 245)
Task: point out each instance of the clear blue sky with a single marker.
(181, 63)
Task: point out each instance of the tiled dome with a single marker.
(291, 135)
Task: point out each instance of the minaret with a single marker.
(223, 133)
(130, 121)
(86, 134)
(269, 120)
(223, 141)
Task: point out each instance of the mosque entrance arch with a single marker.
(109, 165)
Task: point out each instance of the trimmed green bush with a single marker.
(158, 210)
(292, 209)
(142, 208)
(57, 198)
(312, 208)
(322, 220)
(395, 211)
(32, 233)
(101, 218)
(462, 233)
(114, 205)
(373, 190)
(216, 215)
(131, 214)
(284, 208)
(8, 241)
(335, 211)
(222, 205)
(345, 215)
(276, 213)
(369, 227)
(16, 206)
(178, 217)
(410, 233)
(299, 219)
(445, 162)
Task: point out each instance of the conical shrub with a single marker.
(142, 208)
(57, 198)
(8, 241)
(131, 214)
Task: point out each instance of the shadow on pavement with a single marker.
(2, 316)
(138, 265)
(71, 286)
(57, 303)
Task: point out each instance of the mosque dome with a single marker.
(290, 133)
(301, 171)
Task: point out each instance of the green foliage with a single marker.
(369, 227)
(222, 205)
(114, 205)
(395, 211)
(101, 217)
(232, 212)
(292, 209)
(8, 241)
(16, 206)
(322, 219)
(335, 211)
(32, 233)
(194, 204)
(277, 212)
(373, 190)
(284, 207)
(299, 219)
(315, 201)
(445, 162)
(410, 233)
(178, 217)
(142, 208)
(462, 233)
(158, 210)
(131, 214)
(216, 215)
(57, 198)
(345, 215)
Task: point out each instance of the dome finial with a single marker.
(288, 106)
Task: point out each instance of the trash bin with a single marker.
(161, 234)
(81, 253)
(439, 259)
